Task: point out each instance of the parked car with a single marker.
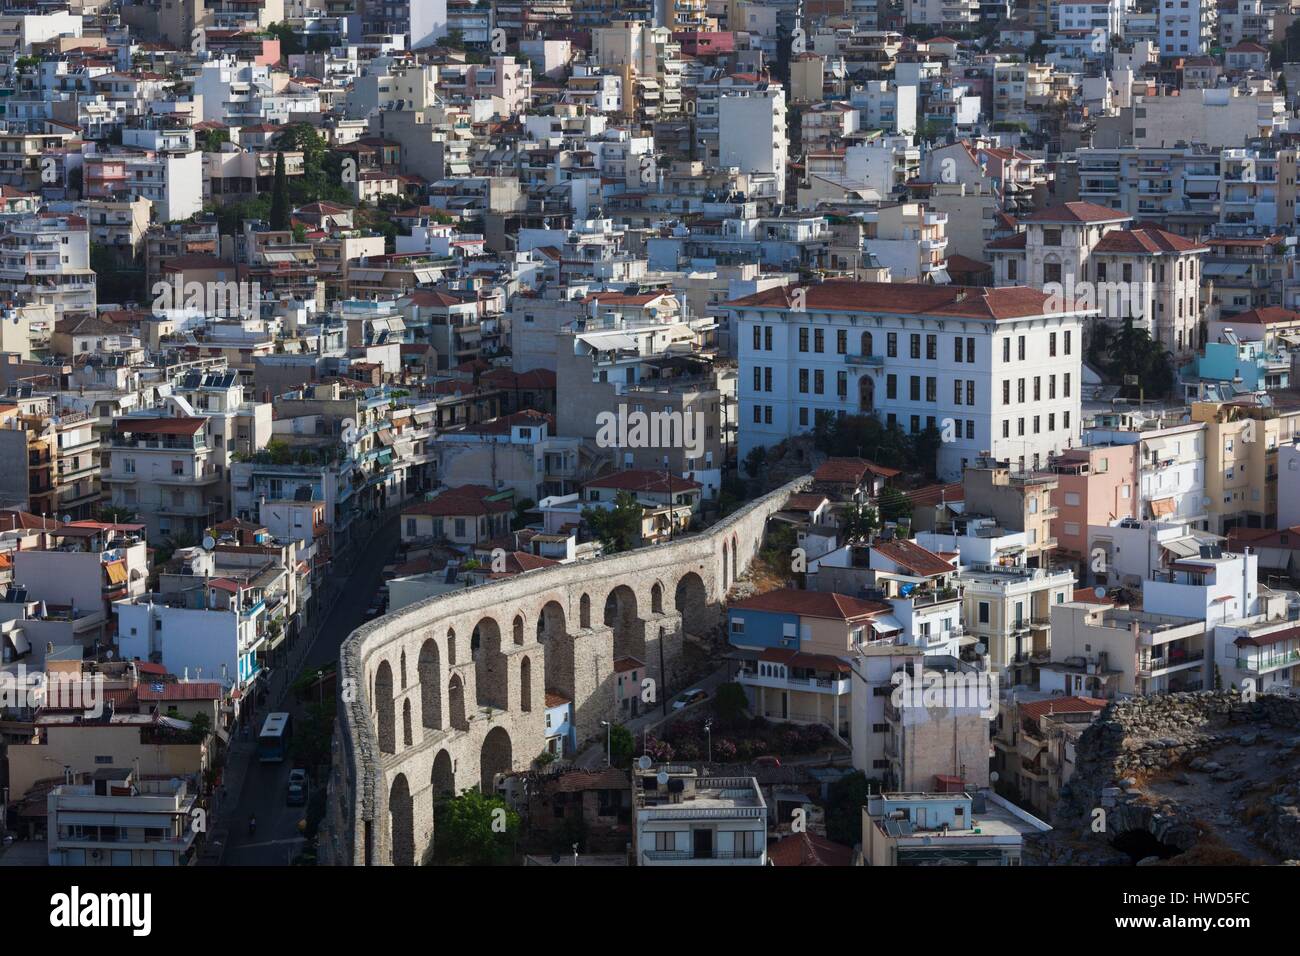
(767, 760)
(688, 698)
(299, 785)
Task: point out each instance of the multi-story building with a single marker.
(993, 370)
(1187, 27)
(938, 828)
(45, 260)
(164, 470)
(120, 819)
(684, 819)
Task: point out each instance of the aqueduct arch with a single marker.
(382, 794)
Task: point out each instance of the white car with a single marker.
(688, 698)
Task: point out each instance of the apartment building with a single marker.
(164, 470)
(681, 818)
(908, 741)
(942, 357)
(1241, 461)
(945, 829)
(120, 819)
(1095, 488)
(1036, 746)
(1186, 27)
(45, 260)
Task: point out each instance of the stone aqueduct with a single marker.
(448, 692)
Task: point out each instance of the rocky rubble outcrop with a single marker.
(1190, 742)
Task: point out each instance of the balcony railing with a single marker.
(675, 855)
(1259, 665)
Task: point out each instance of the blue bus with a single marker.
(273, 741)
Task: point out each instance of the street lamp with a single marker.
(609, 760)
(708, 729)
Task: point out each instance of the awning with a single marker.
(19, 640)
(423, 418)
(886, 624)
(1163, 506)
(385, 436)
(116, 571)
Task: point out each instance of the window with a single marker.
(1051, 386)
(1012, 269)
(1051, 344)
(767, 379)
(1065, 385)
(819, 381)
(1038, 389)
(931, 389)
(970, 350)
(1051, 237)
(758, 379)
(1036, 425)
(819, 340)
(916, 424)
(1006, 392)
(665, 841)
(841, 342)
(984, 612)
(915, 345)
(758, 337)
(767, 338)
(914, 387)
(1006, 428)
(956, 391)
(803, 381)
(891, 345)
(956, 351)
(841, 384)
(1067, 342)
(970, 391)
(970, 429)
(891, 386)
(1020, 347)
(932, 347)
(1020, 390)
(767, 414)
(1006, 349)
(803, 340)
(758, 414)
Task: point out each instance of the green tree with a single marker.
(279, 452)
(730, 704)
(618, 528)
(280, 195)
(313, 735)
(290, 42)
(755, 461)
(894, 504)
(475, 829)
(845, 799)
(859, 522)
(621, 746)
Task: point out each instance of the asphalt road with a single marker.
(264, 787)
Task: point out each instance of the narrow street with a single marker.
(259, 789)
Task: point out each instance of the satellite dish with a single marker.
(1099, 591)
(662, 778)
(980, 648)
(108, 655)
(993, 776)
(644, 762)
(67, 519)
(208, 542)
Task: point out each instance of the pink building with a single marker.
(1095, 488)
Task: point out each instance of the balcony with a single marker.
(1159, 666)
(822, 685)
(691, 856)
(1262, 665)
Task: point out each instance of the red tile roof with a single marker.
(1076, 212)
(809, 849)
(851, 470)
(825, 604)
(1146, 241)
(912, 557)
(1062, 705)
(1268, 315)
(934, 494)
(1266, 640)
(970, 302)
(466, 500)
(180, 690)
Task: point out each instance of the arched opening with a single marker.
(866, 393)
(621, 615)
(726, 581)
(385, 712)
(1140, 844)
(456, 703)
(735, 564)
(526, 685)
(401, 669)
(491, 679)
(429, 671)
(408, 736)
(443, 779)
(519, 630)
(495, 758)
(584, 611)
(657, 598)
(557, 663)
(692, 600)
(866, 344)
(451, 647)
(401, 822)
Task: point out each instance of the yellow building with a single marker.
(1241, 461)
